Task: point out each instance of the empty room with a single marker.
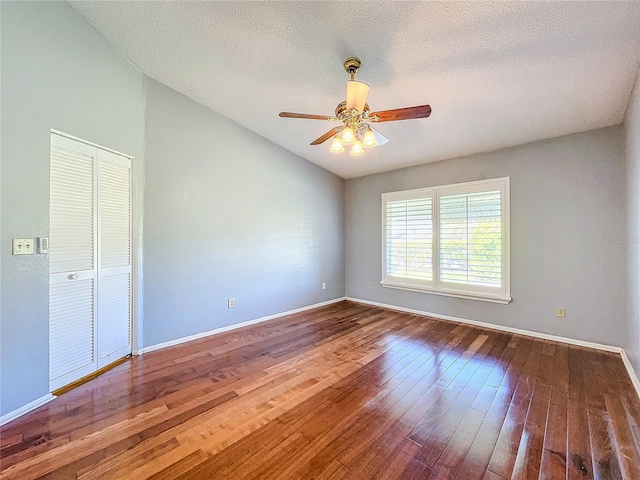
(319, 240)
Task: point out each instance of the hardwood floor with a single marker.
(345, 391)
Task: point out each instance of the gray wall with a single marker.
(207, 238)
(230, 214)
(567, 219)
(57, 72)
(632, 127)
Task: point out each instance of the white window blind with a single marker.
(410, 239)
(471, 238)
(450, 240)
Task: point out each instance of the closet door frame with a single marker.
(133, 234)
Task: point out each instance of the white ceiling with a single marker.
(496, 74)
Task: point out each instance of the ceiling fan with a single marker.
(354, 115)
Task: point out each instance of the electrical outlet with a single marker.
(231, 302)
(324, 286)
(561, 312)
(368, 284)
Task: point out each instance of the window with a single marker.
(449, 240)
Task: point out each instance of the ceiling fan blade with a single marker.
(326, 136)
(421, 111)
(304, 115)
(381, 139)
(356, 95)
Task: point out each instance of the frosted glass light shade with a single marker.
(347, 136)
(369, 139)
(356, 95)
(356, 149)
(336, 145)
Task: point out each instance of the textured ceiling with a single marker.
(496, 74)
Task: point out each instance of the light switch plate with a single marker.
(22, 246)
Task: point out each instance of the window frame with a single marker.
(436, 286)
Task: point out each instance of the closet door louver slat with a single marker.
(71, 328)
(71, 235)
(114, 215)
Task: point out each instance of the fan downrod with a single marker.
(352, 65)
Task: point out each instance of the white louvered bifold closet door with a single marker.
(72, 265)
(89, 260)
(114, 272)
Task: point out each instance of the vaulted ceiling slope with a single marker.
(496, 74)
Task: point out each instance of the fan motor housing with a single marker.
(342, 107)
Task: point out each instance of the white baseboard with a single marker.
(528, 333)
(631, 371)
(26, 408)
(235, 326)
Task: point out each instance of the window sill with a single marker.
(467, 296)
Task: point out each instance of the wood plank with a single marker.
(123, 468)
(521, 375)
(180, 467)
(477, 459)
(578, 446)
(579, 462)
(458, 446)
(626, 442)
(341, 391)
(527, 464)
(554, 455)
(10, 440)
(416, 470)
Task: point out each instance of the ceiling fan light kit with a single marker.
(356, 149)
(336, 145)
(347, 136)
(369, 139)
(354, 115)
